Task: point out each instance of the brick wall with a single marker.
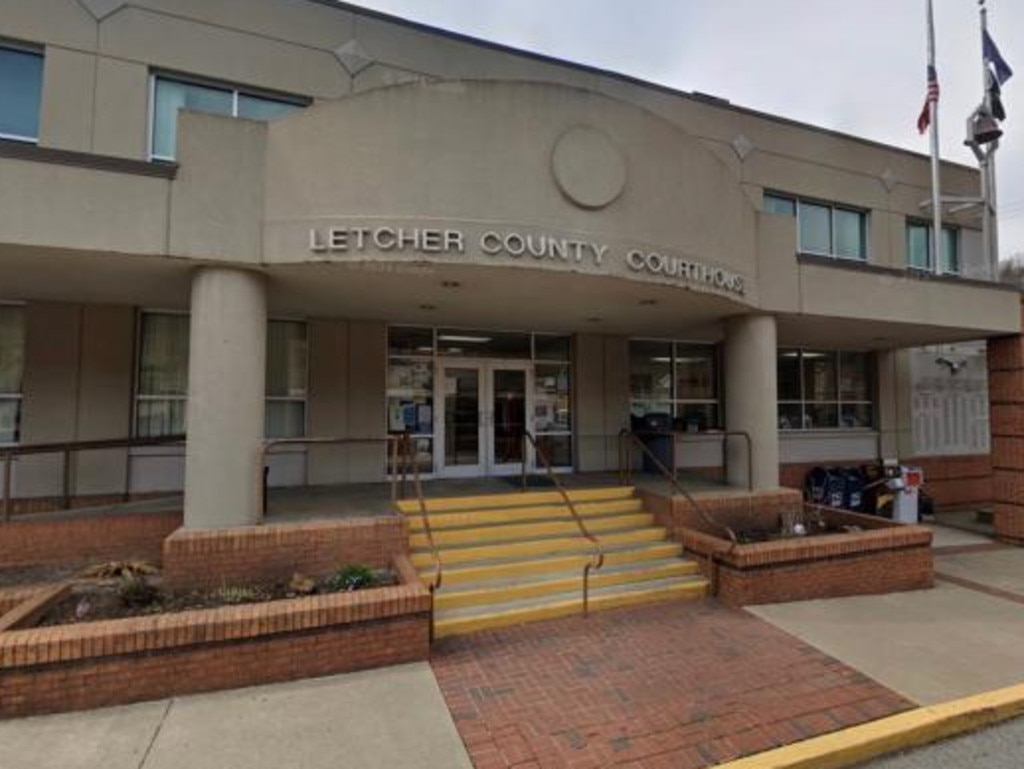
(95, 664)
(209, 558)
(858, 574)
(1006, 404)
(32, 505)
(83, 538)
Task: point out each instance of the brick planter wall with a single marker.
(85, 537)
(95, 664)
(883, 558)
(210, 558)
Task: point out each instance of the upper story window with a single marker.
(21, 87)
(12, 369)
(677, 381)
(824, 228)
(825, 390)
(919, 248)
(171, 95)
(161, 389)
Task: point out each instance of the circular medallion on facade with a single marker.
(589, 169)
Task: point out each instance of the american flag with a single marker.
(925, 118)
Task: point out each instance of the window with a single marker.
(162, 380)
(823, 228)
(12, 368)
(919, 248)
(287, 371)
(21, 85)
(161, 391)
(825, 390)
(675, 379)
(170, 96)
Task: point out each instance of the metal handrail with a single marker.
(701, 437)
(626, 469)
(67, 449)
(597, 559)
(394, 443)
(410, 460)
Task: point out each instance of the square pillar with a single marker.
(1006, 420)
(226, 392)
(751, 400)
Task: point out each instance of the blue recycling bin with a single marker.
(655, 431)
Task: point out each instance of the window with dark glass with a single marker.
(919, 248)
(21, 87)
(170, 95)
(675, 381)
(823, 228)
(825, 390)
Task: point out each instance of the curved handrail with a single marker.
(597, 558)
(634, 439)
(410, 462)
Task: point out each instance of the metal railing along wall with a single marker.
(395, 446)
(699, 438)
(68, 450)
(629, 440)
(597, 559)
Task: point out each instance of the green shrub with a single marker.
(353, 576)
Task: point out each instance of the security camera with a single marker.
(954, 365)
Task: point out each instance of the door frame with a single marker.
(486, 466)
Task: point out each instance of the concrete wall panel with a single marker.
(122, 109)
(328, 399)
(66, 119)
(367, 374)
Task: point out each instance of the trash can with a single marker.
(814, 485)
(655, 431)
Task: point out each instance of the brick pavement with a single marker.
(671, 685)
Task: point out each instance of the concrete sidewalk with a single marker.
(960, 638)
(394, 717)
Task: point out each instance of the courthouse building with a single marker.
(244, 219)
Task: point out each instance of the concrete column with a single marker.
(226, 390)
(896, 439)
(751, 399)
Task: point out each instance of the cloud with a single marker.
(852, 67)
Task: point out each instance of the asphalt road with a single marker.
(999, 747)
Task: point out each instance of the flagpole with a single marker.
(933, 106)
(988, 168)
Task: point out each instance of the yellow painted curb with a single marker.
(887, 735)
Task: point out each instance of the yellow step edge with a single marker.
(523, 531)
(535, 547)
(470, 574)
(514, 499)
(521, 514)
(504, 593)
(459, 626)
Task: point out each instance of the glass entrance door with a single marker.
(485, 409)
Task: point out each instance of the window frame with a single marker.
(137, 397)
(39, 52)
(235, 89)
(17, 397)
(803, 402)
(304, 398)
(674, 401)
(929, 267)
(797, 201)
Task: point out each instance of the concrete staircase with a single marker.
(519, 557)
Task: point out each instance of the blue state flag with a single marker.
(991, 53)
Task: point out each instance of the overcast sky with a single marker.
(857, 67)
